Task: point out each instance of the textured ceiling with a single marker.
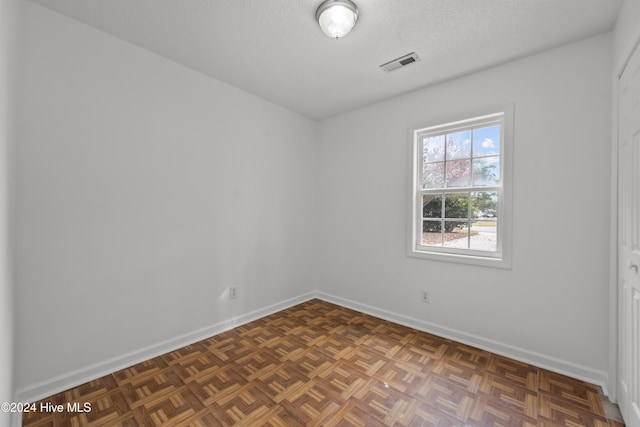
(275, 49)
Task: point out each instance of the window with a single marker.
(460, 209)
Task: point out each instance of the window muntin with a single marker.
(459, 188)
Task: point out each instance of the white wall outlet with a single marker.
(233, 292)
(425, 297)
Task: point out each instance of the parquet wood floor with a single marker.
(318, 364)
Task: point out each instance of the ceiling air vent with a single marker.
(403, 61)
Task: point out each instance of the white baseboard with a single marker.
(549, 363)
(89, 373)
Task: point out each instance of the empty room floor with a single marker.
(319, 364)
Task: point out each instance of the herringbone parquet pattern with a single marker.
(319, 364)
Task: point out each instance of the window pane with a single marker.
(456, 235)
(459, 145)
(433, 148)
(432, 229)
(484, 205)
(433, 175)
(486, 141)
(484, 208)
(431, 233)
(484, 236)
(458, 173)
(432, 206)
(456, 205)
(486, 171)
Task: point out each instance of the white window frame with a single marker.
(500, 258)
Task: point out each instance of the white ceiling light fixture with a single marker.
(337, 17)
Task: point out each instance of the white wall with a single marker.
(144, 189)
(7, 52)
(551, 307)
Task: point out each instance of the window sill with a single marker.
(462, 259)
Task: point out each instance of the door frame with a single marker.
(619, 67)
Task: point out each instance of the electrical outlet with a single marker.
(233, 292)
(425, 297)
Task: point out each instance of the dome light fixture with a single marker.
(337, 17)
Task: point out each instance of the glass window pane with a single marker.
(484, 205)
(433, 175)
(484, 236)
(456, 235)
(456, 205)
(432, 233)
(432, 206)
(433, 148)
(458, 173)
(486, 141)
(486, 171)
(459, 145)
